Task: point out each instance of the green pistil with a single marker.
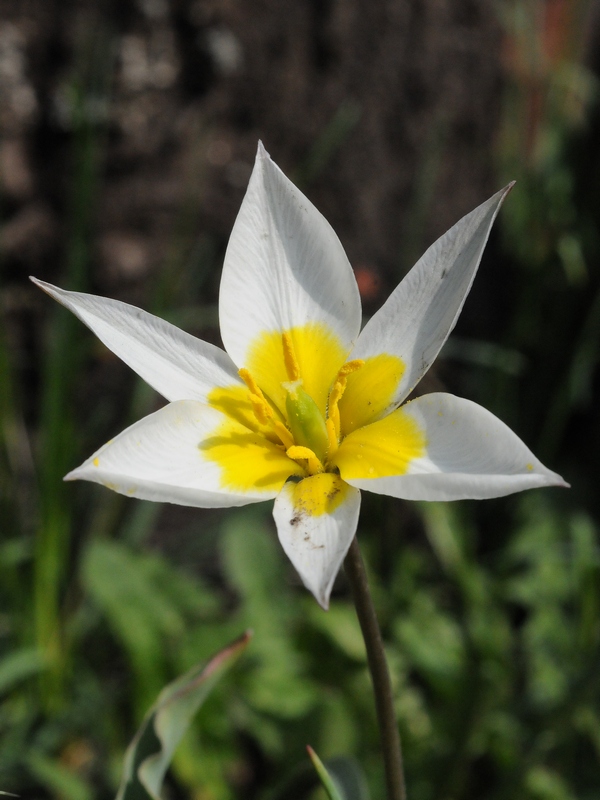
(305, 420)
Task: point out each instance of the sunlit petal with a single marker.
(190, 454)
(284, 268)
(316, 520)
(179, 366)
(417, 318)
(467, 452)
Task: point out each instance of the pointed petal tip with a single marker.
(506, 191)
(323, 601)
(41, 284)
(500, 196)
(261, 152)
(319, 590)
(72, 476)
(553, 478)
(52, 291)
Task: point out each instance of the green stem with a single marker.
(380, 676)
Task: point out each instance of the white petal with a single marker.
(316, 520)
(161, 458)
(470, 453)
(176, 364)
(284, 267)
(417, 318)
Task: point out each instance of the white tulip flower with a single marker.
(302, 406)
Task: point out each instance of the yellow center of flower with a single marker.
(304, 405)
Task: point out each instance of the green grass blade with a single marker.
(327, 781)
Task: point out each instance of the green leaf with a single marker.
(149, 754)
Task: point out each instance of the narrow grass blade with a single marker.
(327, 781)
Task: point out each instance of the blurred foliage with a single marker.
(490, 612)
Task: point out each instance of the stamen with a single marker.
(335, 395)
(314, 464)
(333, 412)
(262, 410)
(351, 366)
(331, 437)
(287, 440)
(246, 376)
(289, 357)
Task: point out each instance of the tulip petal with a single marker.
(190, 454)
(284, 268)
(316, 520)
(468, 453)
(179, 366)
(417, 318)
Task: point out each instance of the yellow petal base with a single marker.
(318, 495)
(384, 448)
(304, 411)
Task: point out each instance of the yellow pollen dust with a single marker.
(335, 395)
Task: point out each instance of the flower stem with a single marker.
(380, 676)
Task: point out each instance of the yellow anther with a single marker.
(287, 440)
(297, 451)
(250, 382)
(337, 390)
(335, 395)
(289, 357)
(262, 410)
(332, 437)
(333, 411)
(314, 464)
(350, 366)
